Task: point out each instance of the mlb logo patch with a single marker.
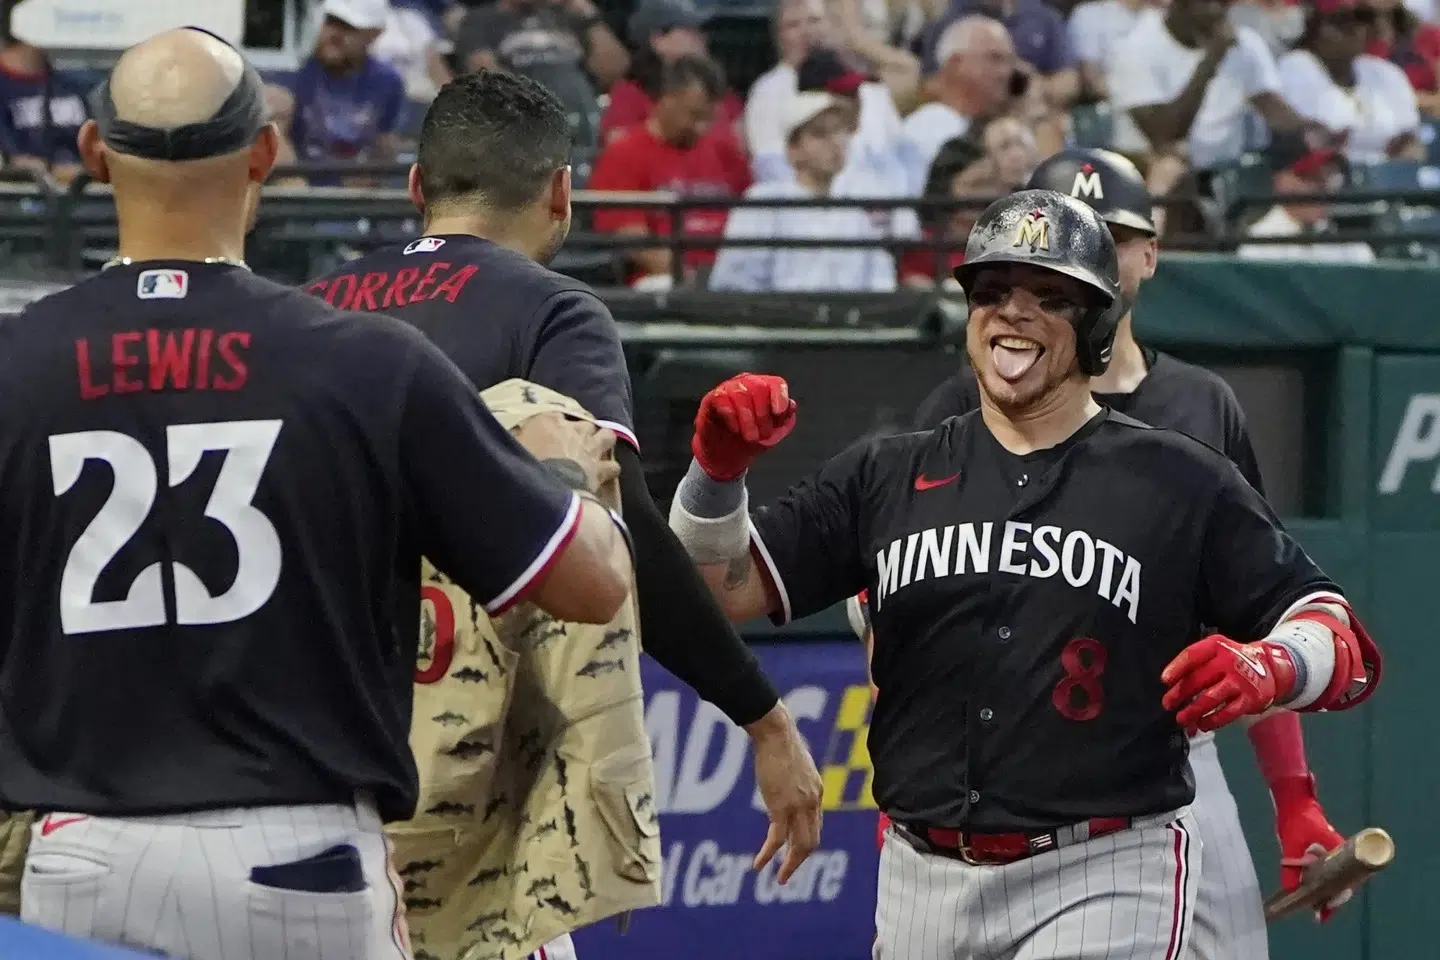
(425, 245)
(162, 285)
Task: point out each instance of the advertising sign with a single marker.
(712, 823)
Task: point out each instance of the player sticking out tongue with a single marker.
(1013, 357)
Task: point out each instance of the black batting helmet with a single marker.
(1048, 229)
(1105, 180)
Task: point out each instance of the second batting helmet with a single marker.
(1105, 180)
(1047, 229)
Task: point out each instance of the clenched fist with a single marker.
(739, 420)
(1216, 681)
(1305, 834)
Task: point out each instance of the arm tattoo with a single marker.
(737, 572)
(568, 472)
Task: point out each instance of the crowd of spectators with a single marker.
(866, 99)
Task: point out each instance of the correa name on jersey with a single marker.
(1084, 560)
(383, 290)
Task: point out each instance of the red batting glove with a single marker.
(1306, 836)
(1216, 681)
(739, 420)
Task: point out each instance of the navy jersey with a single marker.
(214, 496)
(497, 314)
(1025, 606)
(1174, 394)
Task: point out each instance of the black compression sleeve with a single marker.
(681, 625)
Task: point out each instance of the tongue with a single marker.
(1013, 364)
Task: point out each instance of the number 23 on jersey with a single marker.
(247, 445)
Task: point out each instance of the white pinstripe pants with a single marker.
(181, 884)
(1229, 916)
(1124, 896)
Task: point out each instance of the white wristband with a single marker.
(1312, 649)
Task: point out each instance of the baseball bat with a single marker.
(1360, 857)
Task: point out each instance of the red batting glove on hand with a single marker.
(1306, 836)
(739, 420)
(1216, 681)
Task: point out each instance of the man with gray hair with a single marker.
(215, 494)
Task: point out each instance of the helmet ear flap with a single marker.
(1095, 335)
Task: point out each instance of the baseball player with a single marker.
(215, 493)
(493, 183)
(1162, 391)
(536, 812)
(1059, 593)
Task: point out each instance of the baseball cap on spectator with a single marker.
(825, 70)
(360, 14)
(806, 106)
(662, 16)
(1293, 153)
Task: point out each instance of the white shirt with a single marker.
(1380, 107)
(875, 148)
(922, 135)
(1149, 66)
(1097, 26)
(805, 269)
(1278, 223)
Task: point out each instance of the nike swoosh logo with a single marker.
(53, 823)
(924, 483)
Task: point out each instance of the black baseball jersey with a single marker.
(1174, 394)
(214, 496)
(497, 314)
(1025, 606)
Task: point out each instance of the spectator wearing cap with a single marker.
(818, 136)
(670, 153)
(1299, 169)
(875, 148)
(563, 44)
(1329, 79)
(799, 26)
(1397, 34)
(41, 110)
(347, 105)
(1184, 81)
(1037, 34)
(977, 81)
(659, 31)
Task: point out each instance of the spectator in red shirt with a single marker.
(670, 153)
(659, 32)
(961, 168)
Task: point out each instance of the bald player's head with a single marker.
(176, 79)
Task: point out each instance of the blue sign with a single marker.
(712, 823)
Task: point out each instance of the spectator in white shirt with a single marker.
(875, 148)
(1299, 170)
(818, 133)
(976, 81)
(800, 25)
(1185, 79)
(1278, 22)
(1329, 79)
(1095, 27)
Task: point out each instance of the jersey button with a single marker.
(1024, 479)
(1004, 633)
(986, 714)
(974, 796)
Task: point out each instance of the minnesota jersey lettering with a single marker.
(155, 360)
(1082, 559)
(383, 290)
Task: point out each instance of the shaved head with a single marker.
(174, 78)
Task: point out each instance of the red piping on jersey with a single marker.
(545, 567)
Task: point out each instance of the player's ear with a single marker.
(1152, 257)
(416, 189)
(560, 194)
(92, 152)
(264, 152)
